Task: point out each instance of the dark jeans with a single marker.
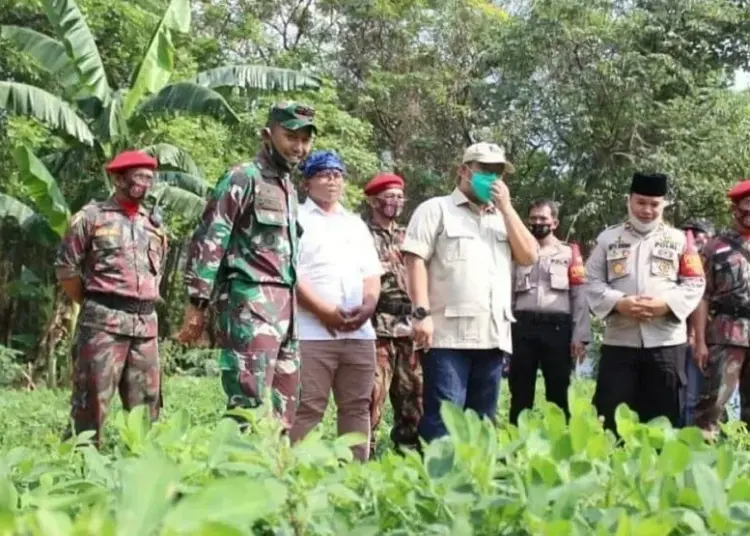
(470, 379)
(694, 378)
(650, 381)
(539, 341)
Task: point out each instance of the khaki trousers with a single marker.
(347, 367)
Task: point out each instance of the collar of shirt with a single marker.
(459, 198)
(553, 247)
(113, 204)
(263, 160)
(311, 206)
(374, 227)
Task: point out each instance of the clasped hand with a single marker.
(338, 319)
(642, 307)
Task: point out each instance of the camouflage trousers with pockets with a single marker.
(727, 367)
(104, 362)
(259, 348)
(398, 374)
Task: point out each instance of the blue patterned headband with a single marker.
(320, 161)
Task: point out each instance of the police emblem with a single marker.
(618, 268)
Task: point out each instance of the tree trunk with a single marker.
(60, 325)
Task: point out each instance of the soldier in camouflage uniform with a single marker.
(721, 323)
(398, 371)
(110, 261)
(247, 247)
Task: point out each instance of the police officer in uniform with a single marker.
(644, 281)
(552, 317)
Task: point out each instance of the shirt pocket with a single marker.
(617, 265)
(665, 263)
(728, 273)
(522, 281)
(465, 320)
(106, 248)
(271, 226)
(458, 241)
(558, 277)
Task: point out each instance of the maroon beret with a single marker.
(383, 181)
(131, 159)
(739, 190)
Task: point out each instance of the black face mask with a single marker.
(540, 230)
(277, 160)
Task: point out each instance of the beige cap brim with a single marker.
(510, 169)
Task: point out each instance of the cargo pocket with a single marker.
(105, 252)
(617, 266)
(466, 318)
(523, 280)
(558, 278)
(458, 241)
(272, 228)
(664, 263)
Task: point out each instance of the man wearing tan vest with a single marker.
(458, 250)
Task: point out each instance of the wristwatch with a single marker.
(200, 303)
(420, 313)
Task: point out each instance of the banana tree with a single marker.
(95, 117)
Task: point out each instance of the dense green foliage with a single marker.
(192, 473)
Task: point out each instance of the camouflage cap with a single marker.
(292, 116)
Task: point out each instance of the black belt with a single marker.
(394, 308)
(543, 318)
(121, 303)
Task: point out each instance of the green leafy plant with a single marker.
(192, 473)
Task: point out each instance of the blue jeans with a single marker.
(470, 379)
(693, 390)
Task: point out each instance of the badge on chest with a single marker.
(617, 262)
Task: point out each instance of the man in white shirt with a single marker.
(339, 285)
(458, 250)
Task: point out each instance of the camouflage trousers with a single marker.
(259, 348)
(104, 362)
(398, 373)
(727, 368)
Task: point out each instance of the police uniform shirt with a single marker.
(624, 263)
(545, 287)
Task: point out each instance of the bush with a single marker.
(544, 477)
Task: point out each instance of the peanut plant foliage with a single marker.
(189, 474)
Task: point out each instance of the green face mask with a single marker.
(481, 182)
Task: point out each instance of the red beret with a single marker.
(739, 190)
(383, 181)
(131, 159)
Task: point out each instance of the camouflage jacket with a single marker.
(727, 289)
(116, 256)
(392, 316)
(249, 230)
